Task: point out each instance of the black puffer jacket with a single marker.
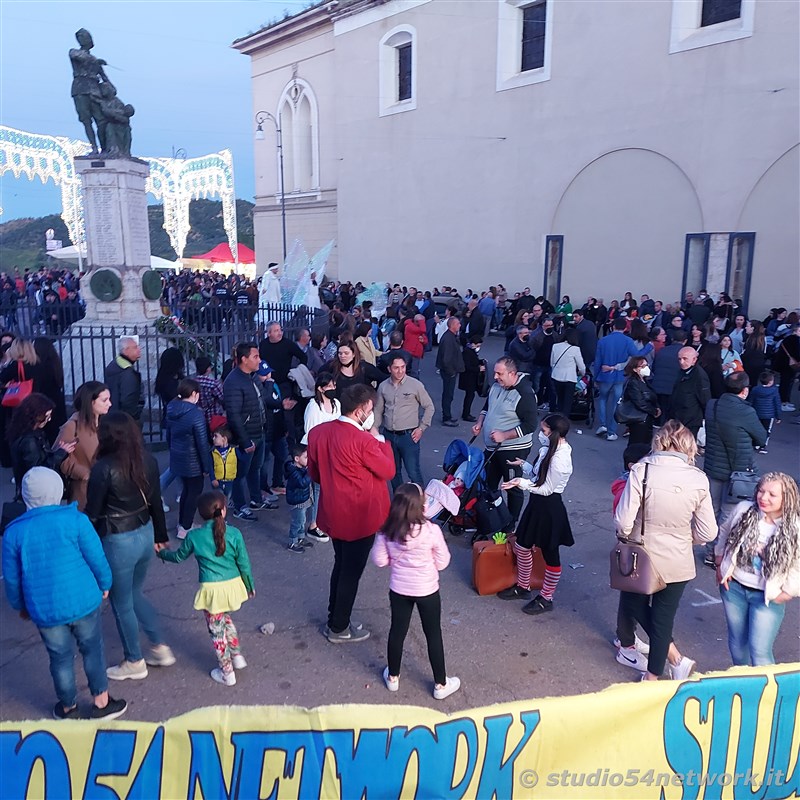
(732, 431)
(244, 408)
(187, 436)
(125, 384)
(641, 396)
(115, 504)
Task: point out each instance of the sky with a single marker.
(171, 59)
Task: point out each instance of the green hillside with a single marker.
(22, 242)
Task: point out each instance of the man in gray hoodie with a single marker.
(508, 421)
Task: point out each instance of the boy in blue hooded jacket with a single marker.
(56, 575)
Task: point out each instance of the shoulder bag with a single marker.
(794, 364)
(626, 412)
(17, 391)
(632, 569)
(742, 483)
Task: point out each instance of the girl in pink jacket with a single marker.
(416, 551)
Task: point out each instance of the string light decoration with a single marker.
(174, 181)
(48, 157)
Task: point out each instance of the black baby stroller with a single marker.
(583, 400)
(482, 510)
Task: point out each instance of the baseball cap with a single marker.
(264, 369)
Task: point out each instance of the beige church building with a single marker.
(580, 147)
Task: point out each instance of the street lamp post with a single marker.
(261, 116)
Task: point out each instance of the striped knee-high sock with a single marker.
(551, 576)
(524, 566)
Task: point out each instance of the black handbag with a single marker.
(632, 569)
(626, 413)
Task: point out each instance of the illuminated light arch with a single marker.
(174, 181)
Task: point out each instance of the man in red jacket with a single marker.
(351, 462)
(415, 338)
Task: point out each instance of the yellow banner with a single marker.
(726, 735)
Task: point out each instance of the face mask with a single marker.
(330, 394)
(368, 422)
(348, 363)
(645, 371)
(544, 440)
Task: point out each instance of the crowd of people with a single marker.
(330, 420)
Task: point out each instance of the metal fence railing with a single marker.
(86, 349)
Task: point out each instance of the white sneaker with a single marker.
(238, 661)
(612, 437)
(160, 656)
(133, 670)
(453, 685)
(226, 678)
(392, 684)
(788, 407)
(682, 670)
(182, 532)
(631, 657)
(601, 430)
(641, 647)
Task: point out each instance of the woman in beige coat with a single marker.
(92, 400)
(678, 513)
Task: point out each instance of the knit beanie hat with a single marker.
(42, 487)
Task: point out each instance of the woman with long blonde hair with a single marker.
(670, 497)
(758, 567)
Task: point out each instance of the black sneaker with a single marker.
(269, 505)
(316, 535)
(296, 547)
(113, 709)
(708, 560)
(539, 605)
(515, 593)
(60, 713)
(306, 543)
(245, 514)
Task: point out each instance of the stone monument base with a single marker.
(117, 241)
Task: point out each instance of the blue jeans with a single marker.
(248, 473)
(406, 453)
(226, 487)
(542, 385)
(299, 518)
(166, 478)
(129, 555)
(315, 489)
(448, 390)
(752, 625)
(88, 633)
(610, 394)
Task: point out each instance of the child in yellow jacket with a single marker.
(225, 464)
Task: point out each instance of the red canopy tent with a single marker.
(222, 254)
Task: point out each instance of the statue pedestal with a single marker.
(117, 241)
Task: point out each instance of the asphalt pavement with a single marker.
(499, 653)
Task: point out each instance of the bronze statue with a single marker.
(96, 101)
(88, 74)
(117, 127)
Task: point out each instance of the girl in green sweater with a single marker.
(225, 580)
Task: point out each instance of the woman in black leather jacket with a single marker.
(642, 397)
(124, 504)
(30, 446)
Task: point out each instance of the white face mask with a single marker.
(368, 422)
(544, 439)
(645, 371)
